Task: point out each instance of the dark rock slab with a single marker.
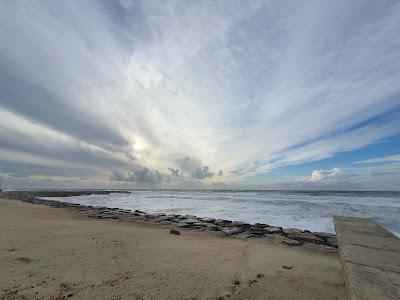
(240, 224)
(181, 224)
(157, 215)
(213, 227)
(255, 231)
(306, 237)
(272, 229)
(166, 218)
(332, 242)
(324, 235)
(292, 231)
(207, 220)
(191, 220)
(222, 222)
(260, 225)
(200, 224)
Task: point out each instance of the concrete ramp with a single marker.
(370, 257)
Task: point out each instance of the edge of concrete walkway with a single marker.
(370, 258)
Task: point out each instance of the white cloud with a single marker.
(391, 158)
(319, 175)
(366, 178)
(246, 87)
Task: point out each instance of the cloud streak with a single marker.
(390, 158)
(155, 92)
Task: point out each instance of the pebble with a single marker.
(287, 267)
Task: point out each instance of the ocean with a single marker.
(301, 209)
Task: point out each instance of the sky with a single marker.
(200, 94)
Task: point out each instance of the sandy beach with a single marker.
(55, 253)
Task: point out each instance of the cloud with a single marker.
(319, 175)
(366, 178)
(138, 175)
(391, 158)
(193, 168)
(40, 105)
(99, 86)
(174, 172)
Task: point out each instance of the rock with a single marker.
(240, 224)
(195, 227)
(166, 218)
(260, 225)
(212, 227)
(291, 231)
(260, 275)
(190, 217)
(173, 231)
(332, 242)
(222, 222)
(139, 211)
(287, 267)
(306, 237)
(232, 230)
(324, 235)
(272, 230)
(158, 215)
(207, 220)
(291, 242)
(256, 231)
(190, 220)
(181, 224)
(200, 224)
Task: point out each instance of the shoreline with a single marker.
(289, 236)
(59, 253)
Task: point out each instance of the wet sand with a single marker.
(55, 253)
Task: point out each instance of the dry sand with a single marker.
(49, 253)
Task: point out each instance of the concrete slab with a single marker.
(371, 283)
(370, 256)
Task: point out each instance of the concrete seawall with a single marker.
(370, 257)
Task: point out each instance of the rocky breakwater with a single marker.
(288, 236)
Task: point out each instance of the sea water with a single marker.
(305, 210)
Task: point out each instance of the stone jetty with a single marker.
(237, 229)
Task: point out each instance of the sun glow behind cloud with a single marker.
(134, 88)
